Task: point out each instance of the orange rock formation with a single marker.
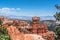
(15, 34)
(36, 29)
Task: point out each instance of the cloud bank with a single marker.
(9, 10)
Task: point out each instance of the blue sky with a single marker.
(28, 7)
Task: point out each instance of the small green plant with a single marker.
(4, 34)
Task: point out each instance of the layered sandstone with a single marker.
(15, 34)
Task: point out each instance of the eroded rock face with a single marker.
(33, 37)
(15, 34)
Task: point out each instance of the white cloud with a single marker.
(9, 10)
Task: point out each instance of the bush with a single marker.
(4, 34)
